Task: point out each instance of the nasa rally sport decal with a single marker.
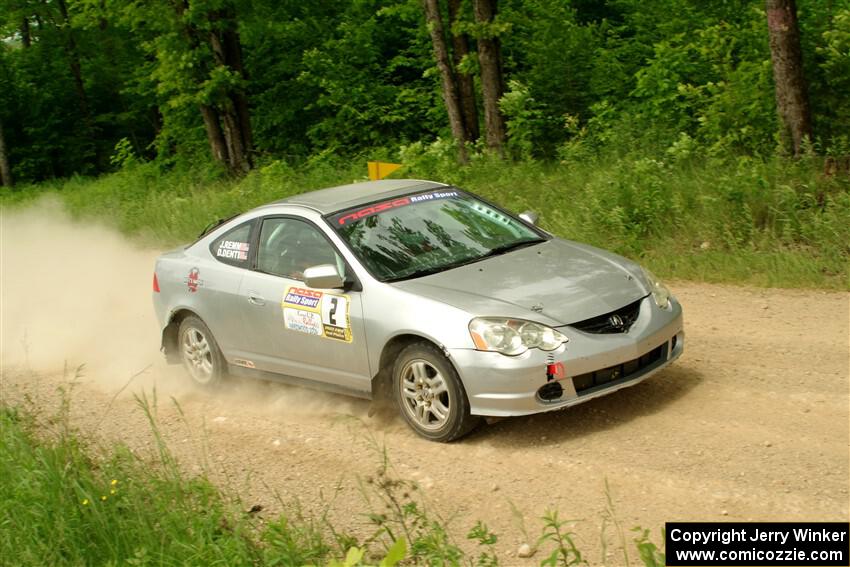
(317, 313)
(350, 216)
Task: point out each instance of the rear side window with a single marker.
(234, 247)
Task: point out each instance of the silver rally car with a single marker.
(447, 303)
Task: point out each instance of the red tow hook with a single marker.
(555, 370)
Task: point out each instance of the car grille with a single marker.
(590, 382)
(619, 321)
(586, 383)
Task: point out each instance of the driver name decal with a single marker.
(233, 250)
(317, 313)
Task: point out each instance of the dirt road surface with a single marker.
(750, 424)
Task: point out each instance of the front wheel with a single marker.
(430, 394)
(199, 352)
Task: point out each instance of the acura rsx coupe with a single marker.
(454, 307)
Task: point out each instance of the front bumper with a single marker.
(594, 365)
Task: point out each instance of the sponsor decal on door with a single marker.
(302, 321)
(317, 313)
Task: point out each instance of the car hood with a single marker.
(557, 282)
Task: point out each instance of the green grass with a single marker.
(63, 503)
(768, 223)
(66, 501)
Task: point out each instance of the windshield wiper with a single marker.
(505, 248)
(499, 250)
(424, 272)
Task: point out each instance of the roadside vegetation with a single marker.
(68, 500)
(749, 221)
(706, 139)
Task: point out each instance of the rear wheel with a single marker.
(199, 352)
(430, 394)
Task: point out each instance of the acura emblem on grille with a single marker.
(616, 321)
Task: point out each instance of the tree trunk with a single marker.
(74, 62)
(226, 121)
(235, 118)
(492, 81)
(233, 49)
(26, 36)
(239, 159)
(465, 82)
(5, 170)
(218, 146)
(792, 102)
(450, 93)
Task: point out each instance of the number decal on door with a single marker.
(335, 317)
(332, 311)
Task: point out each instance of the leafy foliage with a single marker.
(776, 222)
(79, 76)
(556, 532)
(644, 126)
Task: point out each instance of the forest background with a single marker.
(708, 139)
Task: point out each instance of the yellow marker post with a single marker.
(380, 169)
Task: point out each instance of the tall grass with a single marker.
(771, 223)
(65, 501)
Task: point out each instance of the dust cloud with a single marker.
(78, 293)
(73, 293)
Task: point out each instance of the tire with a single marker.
(430, 395)
(199, 353)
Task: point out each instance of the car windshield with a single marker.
(425, 233)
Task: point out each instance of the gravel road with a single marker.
(750, 424)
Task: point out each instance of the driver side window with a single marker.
(289, 246)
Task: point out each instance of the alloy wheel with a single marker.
(425, 395)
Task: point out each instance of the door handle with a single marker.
(256, 298)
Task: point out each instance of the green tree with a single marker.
(196, 69)
(451, 88)
(373, 77)
(64, 101)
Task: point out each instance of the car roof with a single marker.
(344, 197)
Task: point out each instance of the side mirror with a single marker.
(530, 217)
(325, 276)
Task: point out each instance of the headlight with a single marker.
(660, 293)
(513, 336)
